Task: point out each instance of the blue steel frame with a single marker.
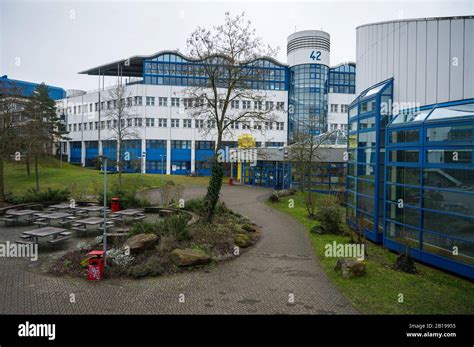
(342, 79)
(423, 145)
(268, 174)
(371, 94)
(324, 184)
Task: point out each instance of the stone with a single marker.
(242, 240)
(285, 192)
(350, 267)
(189, 257)
(140, 242)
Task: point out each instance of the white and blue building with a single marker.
(169, 141)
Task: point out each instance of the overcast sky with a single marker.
(52, 41)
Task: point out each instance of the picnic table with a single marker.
(83, 224)
(129, 213)
(95, 209)
(16, 215)
(62, 206)
(47, 218)
(57, 234)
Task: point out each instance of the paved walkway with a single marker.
(279, 267)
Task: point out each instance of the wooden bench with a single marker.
(25, 237)
(58, 240)
(65, 233)
(40, 223)
(139, 217)
(7, 219)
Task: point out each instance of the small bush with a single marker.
(329, 215)
(127, 198)
(119, 258)
(151, 267)
(177, 226)
(195, 205)
(146, 228)
(32, 195)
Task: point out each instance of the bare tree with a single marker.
(227, 58)
(121, 122)
(305, 154)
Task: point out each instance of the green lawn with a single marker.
(432, 291)
(81, 181)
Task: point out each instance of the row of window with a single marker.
(174, 123)
(343, 108)
(434, 134)
(174, 102)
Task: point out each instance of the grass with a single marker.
(432, 291)
(83, 182)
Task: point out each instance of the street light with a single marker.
(104, 235)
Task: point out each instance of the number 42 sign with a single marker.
(315, 55)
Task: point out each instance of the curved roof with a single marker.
(459, 110)
(133, 66)
(415, 19)
(343, 63)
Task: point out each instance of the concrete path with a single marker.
(263, 280)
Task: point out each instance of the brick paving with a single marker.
(259, 281)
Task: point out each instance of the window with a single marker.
(188, 102)
(257, 105)
(129, 101)
(404, 156)
(150, 122)
(449, 156)
(199, 123)
(332, 127)
(187, 123)
(91, 126)
(344, 108)
(234, 125)
(70, 127)
(175, 123)
(150, 101)
(102, 125)
(403, 136)
(96, 106)
(180, 144)
(257, 125)
(268, 105)
(245, 125)
(344, 127)
(451, 133)
(235, 104)
(109, 124)
(175, 102)
(268, 125)
(211, 123)
(273, 144)
(138, 122)
(115, 103)
(246, 104)
(138, 101)
(96, 126)
(156, 144)
(280, 125)
(162, 122)
(205, 145)
(162, 101)
(280, 105)
(334, 107)
(90, 107)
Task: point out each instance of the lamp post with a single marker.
(162, 163)
(104, 235)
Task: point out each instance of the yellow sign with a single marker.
(244, 141)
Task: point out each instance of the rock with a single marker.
(140, 242)
(350, 267)
(274, 197)
(285, 192)
(189, 257)
(242, 240)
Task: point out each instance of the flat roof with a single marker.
(416, 19)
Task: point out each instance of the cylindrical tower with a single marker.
(308, 59)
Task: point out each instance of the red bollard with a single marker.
(95, 269)
(231, 181)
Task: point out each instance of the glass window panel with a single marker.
(456, 202)
(367, 139)
(366, 171)
(366, 187)
(449, 178)
(365, 204)
(451, 133)
(457, 226)
(401, 233)
(366, 155)
(367, 123)
(443, 246)
(405, 215)
(403, 136)
(409, 195)
(404, 156)
(403, 175)
(449, 156)
(455, 111)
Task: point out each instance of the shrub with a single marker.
(195, 205)
(150, 267)
(177, 226)
(32, 195)
(329, 215)
(145, 228)
(127, 198)
(119, 257)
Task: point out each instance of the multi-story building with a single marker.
(168, 140)
(411, 139)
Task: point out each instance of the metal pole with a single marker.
(105, 212)
(162, 163)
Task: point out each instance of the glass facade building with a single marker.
(308, 99)
(342, 79)
(429, 195)
(368, 117)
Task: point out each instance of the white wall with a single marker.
(431, 60)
